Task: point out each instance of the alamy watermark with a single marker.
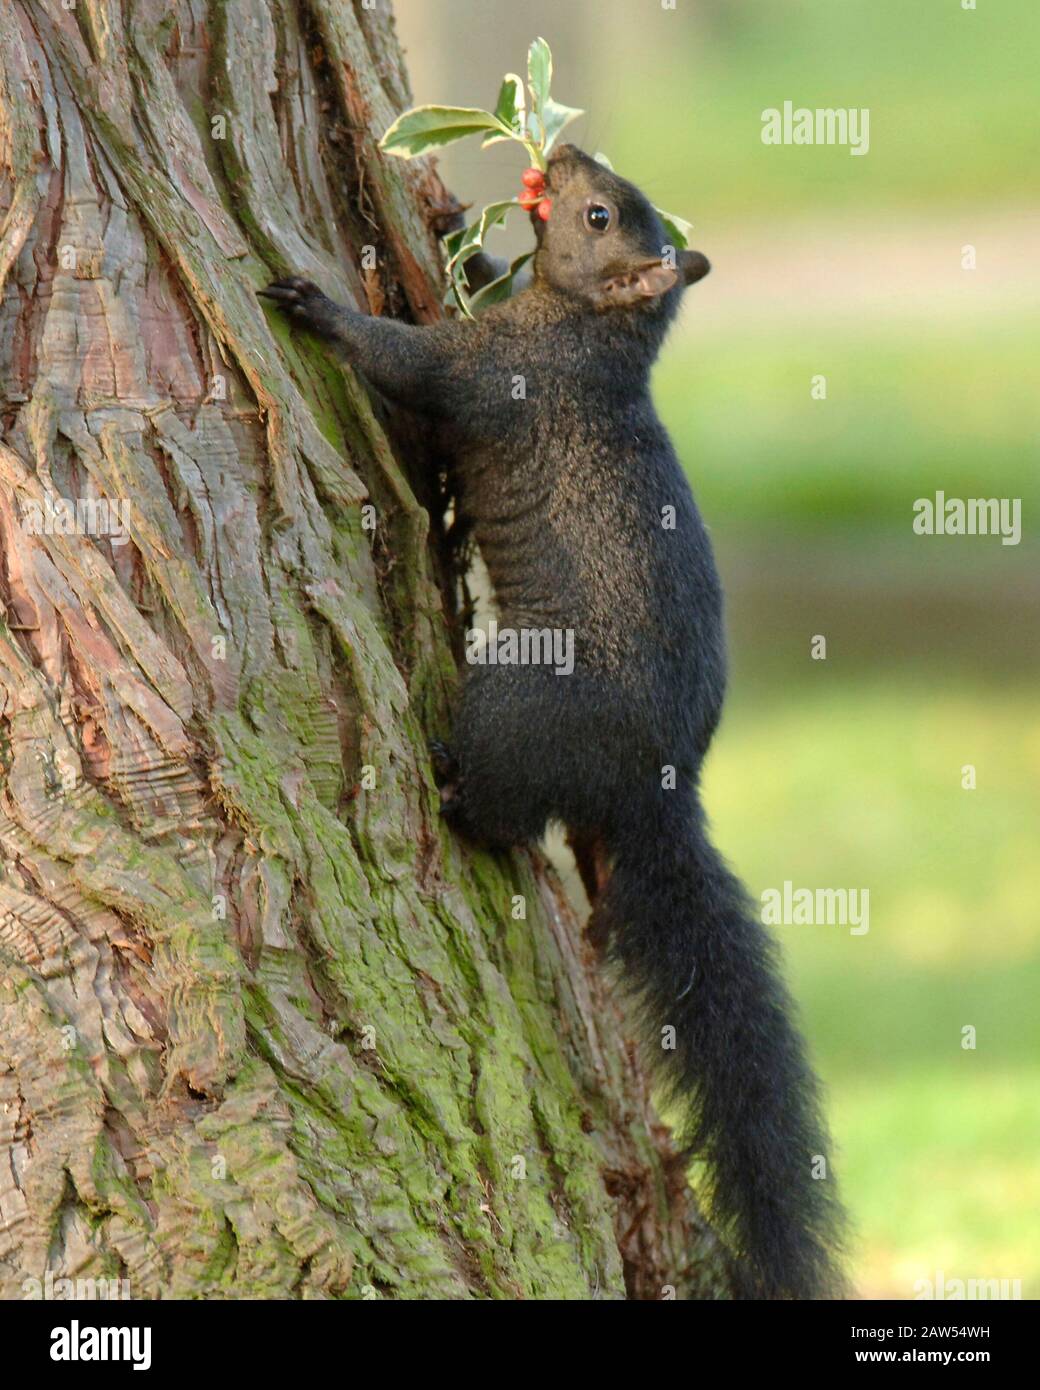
(86, 516)
(81, 1342)
(817, 907)
(524, 646)
(820, 125)
(941, 1288)
(51, 1289)
(969, 516)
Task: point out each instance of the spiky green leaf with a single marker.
(555, 116)
(498, 290)
(678, 228)
(510, 109)
(424, 128)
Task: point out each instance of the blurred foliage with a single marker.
(951, 93)
(911, 409)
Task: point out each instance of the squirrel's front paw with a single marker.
(302, 300)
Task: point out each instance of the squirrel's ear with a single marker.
(693, 266)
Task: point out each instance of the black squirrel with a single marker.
(587, 524)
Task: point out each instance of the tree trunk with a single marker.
(266, 1028)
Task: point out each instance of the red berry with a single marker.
(544, 209)
(533, 178)
(529, 200)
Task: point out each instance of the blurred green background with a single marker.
(847, 772)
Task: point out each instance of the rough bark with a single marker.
(265, 1030)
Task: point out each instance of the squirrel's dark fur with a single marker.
(568, 486)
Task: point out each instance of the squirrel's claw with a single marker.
(291, 292)
(305, 304)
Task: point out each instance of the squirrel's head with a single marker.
(604, 242)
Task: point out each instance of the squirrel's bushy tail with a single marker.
(736, 1081)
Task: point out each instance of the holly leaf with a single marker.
(677, 228)
(452, 240)
(555, 116)
(426, 128)
(472, 239)
(539, 74)
(496, 290)
(468, 244)
(510, 110)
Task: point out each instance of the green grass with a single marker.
(940, 1169)
(854, 781)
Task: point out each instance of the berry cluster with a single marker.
(533, 193)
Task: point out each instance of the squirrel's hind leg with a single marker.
(496, 777)
(529, 747)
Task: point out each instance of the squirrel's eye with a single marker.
(597, 217)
